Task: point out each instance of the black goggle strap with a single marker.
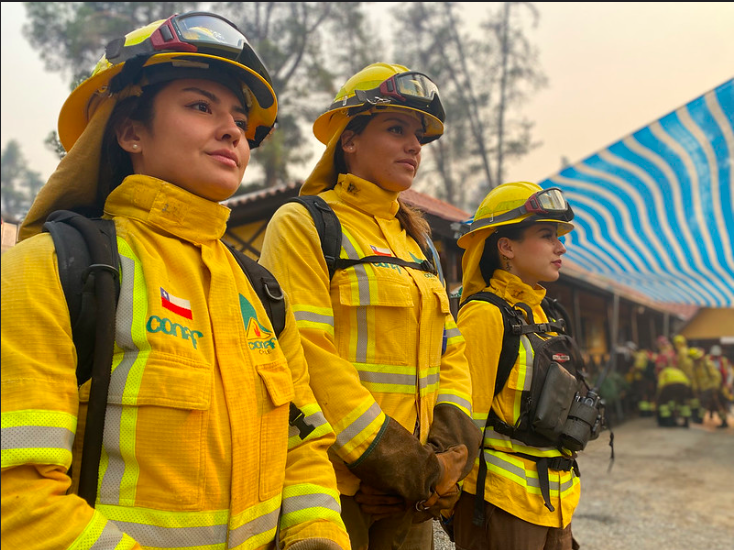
(131, 72)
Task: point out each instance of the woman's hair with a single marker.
(490, 260)
(115, 163)
(410, 219)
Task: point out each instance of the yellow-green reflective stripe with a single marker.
(513, 469)
(166, 529)
(363, 287)
(453, 335)
(494, 439)
(314, 318)
(256, 526)
(357, 426)
(462, 402)
(429, 382)
(387, 378)
(315, 419)
(524, 375)
(307, 501)
(37, 436)
(119, 469)
(100, 534)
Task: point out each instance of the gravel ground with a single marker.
(668, 489)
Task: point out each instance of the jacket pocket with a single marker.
(277, 393)
(375, 322)
(157, 416)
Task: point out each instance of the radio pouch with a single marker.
(556, 398)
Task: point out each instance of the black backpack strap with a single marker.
(557, 315)
(328, 227)
(266, 286)
(510, 350)
(511, 338)
(89, 272)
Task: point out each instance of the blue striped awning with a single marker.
(654, 210)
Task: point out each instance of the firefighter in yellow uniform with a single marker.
(673, 397)
(386, 360)
(708, 381)
(198, 450)
(509, 509)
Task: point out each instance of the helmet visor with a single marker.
(548, 203)
(411, 89)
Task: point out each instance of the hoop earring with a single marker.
(507, 266)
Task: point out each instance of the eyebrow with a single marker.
(213, 97)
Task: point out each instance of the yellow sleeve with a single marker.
(292, 252)
(311, 506)
(39, 410)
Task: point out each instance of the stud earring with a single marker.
(135, 146)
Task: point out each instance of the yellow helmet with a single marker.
(189, 45)
(696, 353)
(380, 86)
(516, 202)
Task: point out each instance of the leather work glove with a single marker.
(447, 490)
(378, 504)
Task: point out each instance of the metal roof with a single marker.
(654, 210)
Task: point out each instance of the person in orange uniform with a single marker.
(198, 451)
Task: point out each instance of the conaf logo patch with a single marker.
(561, 357)
(259, 338)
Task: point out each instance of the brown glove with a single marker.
(447, 490)
(398, 464)
(379, 504)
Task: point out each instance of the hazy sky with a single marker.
(613, 67)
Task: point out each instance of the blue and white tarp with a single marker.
(655, 211)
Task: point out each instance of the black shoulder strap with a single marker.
(330, 231)
(511, 338)
(267, 288)
(328, 227)
(75, 237)
(557, 315)
(88, 262)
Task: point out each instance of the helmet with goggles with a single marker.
(515, 203)
(189, 45)
(380, 86)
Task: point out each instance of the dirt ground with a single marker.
(668, 489)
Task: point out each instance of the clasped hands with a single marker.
(381, 505)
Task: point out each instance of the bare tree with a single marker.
(483, 78)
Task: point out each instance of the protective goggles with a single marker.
(412, 89)
(548, 203)
(193, 32)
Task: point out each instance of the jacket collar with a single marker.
(513, 290)
(367, 196)
(168, 207)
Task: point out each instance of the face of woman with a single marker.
(196, 139)
(388, 151)
(537, 257)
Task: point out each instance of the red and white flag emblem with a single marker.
(381, 251)
(175, 304)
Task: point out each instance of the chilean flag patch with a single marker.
(381, 251)
(175, 304)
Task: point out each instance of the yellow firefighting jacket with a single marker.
(705, 375)
(373, 336)
(672, 375)
(512, 481)
(198, 451)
